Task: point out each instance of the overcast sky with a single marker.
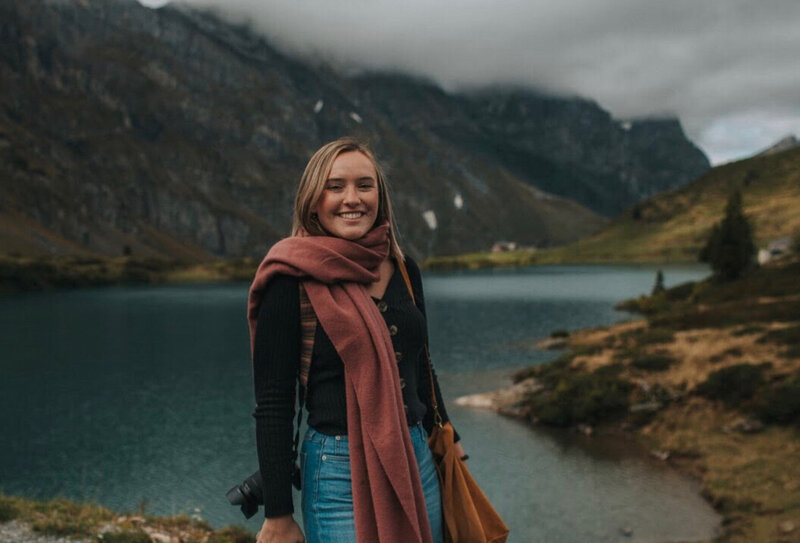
(728, 69)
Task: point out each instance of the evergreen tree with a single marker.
(730, 249)
(659, 284)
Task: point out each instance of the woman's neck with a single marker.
(386, 270)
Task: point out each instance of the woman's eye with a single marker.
(334, 187)
(366, 186)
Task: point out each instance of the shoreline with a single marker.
(651, 380)
(36, 274)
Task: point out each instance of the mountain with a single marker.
(173, 133)
(676, 224)
(789, 142)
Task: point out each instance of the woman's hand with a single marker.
(280, 530)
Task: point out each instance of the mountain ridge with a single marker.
(170, 132)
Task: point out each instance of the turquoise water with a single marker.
(135, 395)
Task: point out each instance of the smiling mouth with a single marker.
(352, 215)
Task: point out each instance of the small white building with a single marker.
(504, 246)
(777, 248)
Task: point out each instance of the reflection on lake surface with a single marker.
(124, 395)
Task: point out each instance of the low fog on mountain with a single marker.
(727, 68)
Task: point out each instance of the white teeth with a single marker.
(350, 215)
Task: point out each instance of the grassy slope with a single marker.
(673, 226)
(87, 522)
(692, 334)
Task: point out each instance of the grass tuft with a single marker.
(64, 518)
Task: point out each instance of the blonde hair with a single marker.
(312, 184)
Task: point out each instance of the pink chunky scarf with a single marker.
(387, 492)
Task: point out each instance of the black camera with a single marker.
(249, 495)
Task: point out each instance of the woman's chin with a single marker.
(350, 232)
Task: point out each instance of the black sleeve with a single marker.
(276, 356)
(424, 385)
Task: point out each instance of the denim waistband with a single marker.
(319, 437)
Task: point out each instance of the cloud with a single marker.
(717, 64)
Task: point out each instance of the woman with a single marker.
(367, 473)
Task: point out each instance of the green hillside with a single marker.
(673, 226)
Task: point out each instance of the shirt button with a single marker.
(393, 330)
(338, 438)
(398, 356)
(382, 306)
(402, 383)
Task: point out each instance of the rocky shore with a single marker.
(709, 382)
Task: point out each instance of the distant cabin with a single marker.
(777, 248)
(504, 246)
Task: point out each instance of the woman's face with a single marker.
(348, 206)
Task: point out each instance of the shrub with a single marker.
(733, 384)
(785, 336)
(232, 534)
(8, 510)
(548, 373)
(781, 402)
(583, 397)
(652, 362)
(559, 333)
(747, 330)
(613, 369)
(127, 536)
(655, 335)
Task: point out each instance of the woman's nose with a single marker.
(351, 195)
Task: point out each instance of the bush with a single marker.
(127, 536)
(232, 534)
(583, 397)
(613, 369)
(781, 402)
(733, 384)
(652, 335)
(548, 373)
(559, 333)
(747, 330)
(652, 362)
(8, 510)
(785, 336)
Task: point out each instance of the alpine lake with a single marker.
(141, 397)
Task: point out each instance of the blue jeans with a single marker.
(327, 495)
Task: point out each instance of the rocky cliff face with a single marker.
(170, 132)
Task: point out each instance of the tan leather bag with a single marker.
(468, 515)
